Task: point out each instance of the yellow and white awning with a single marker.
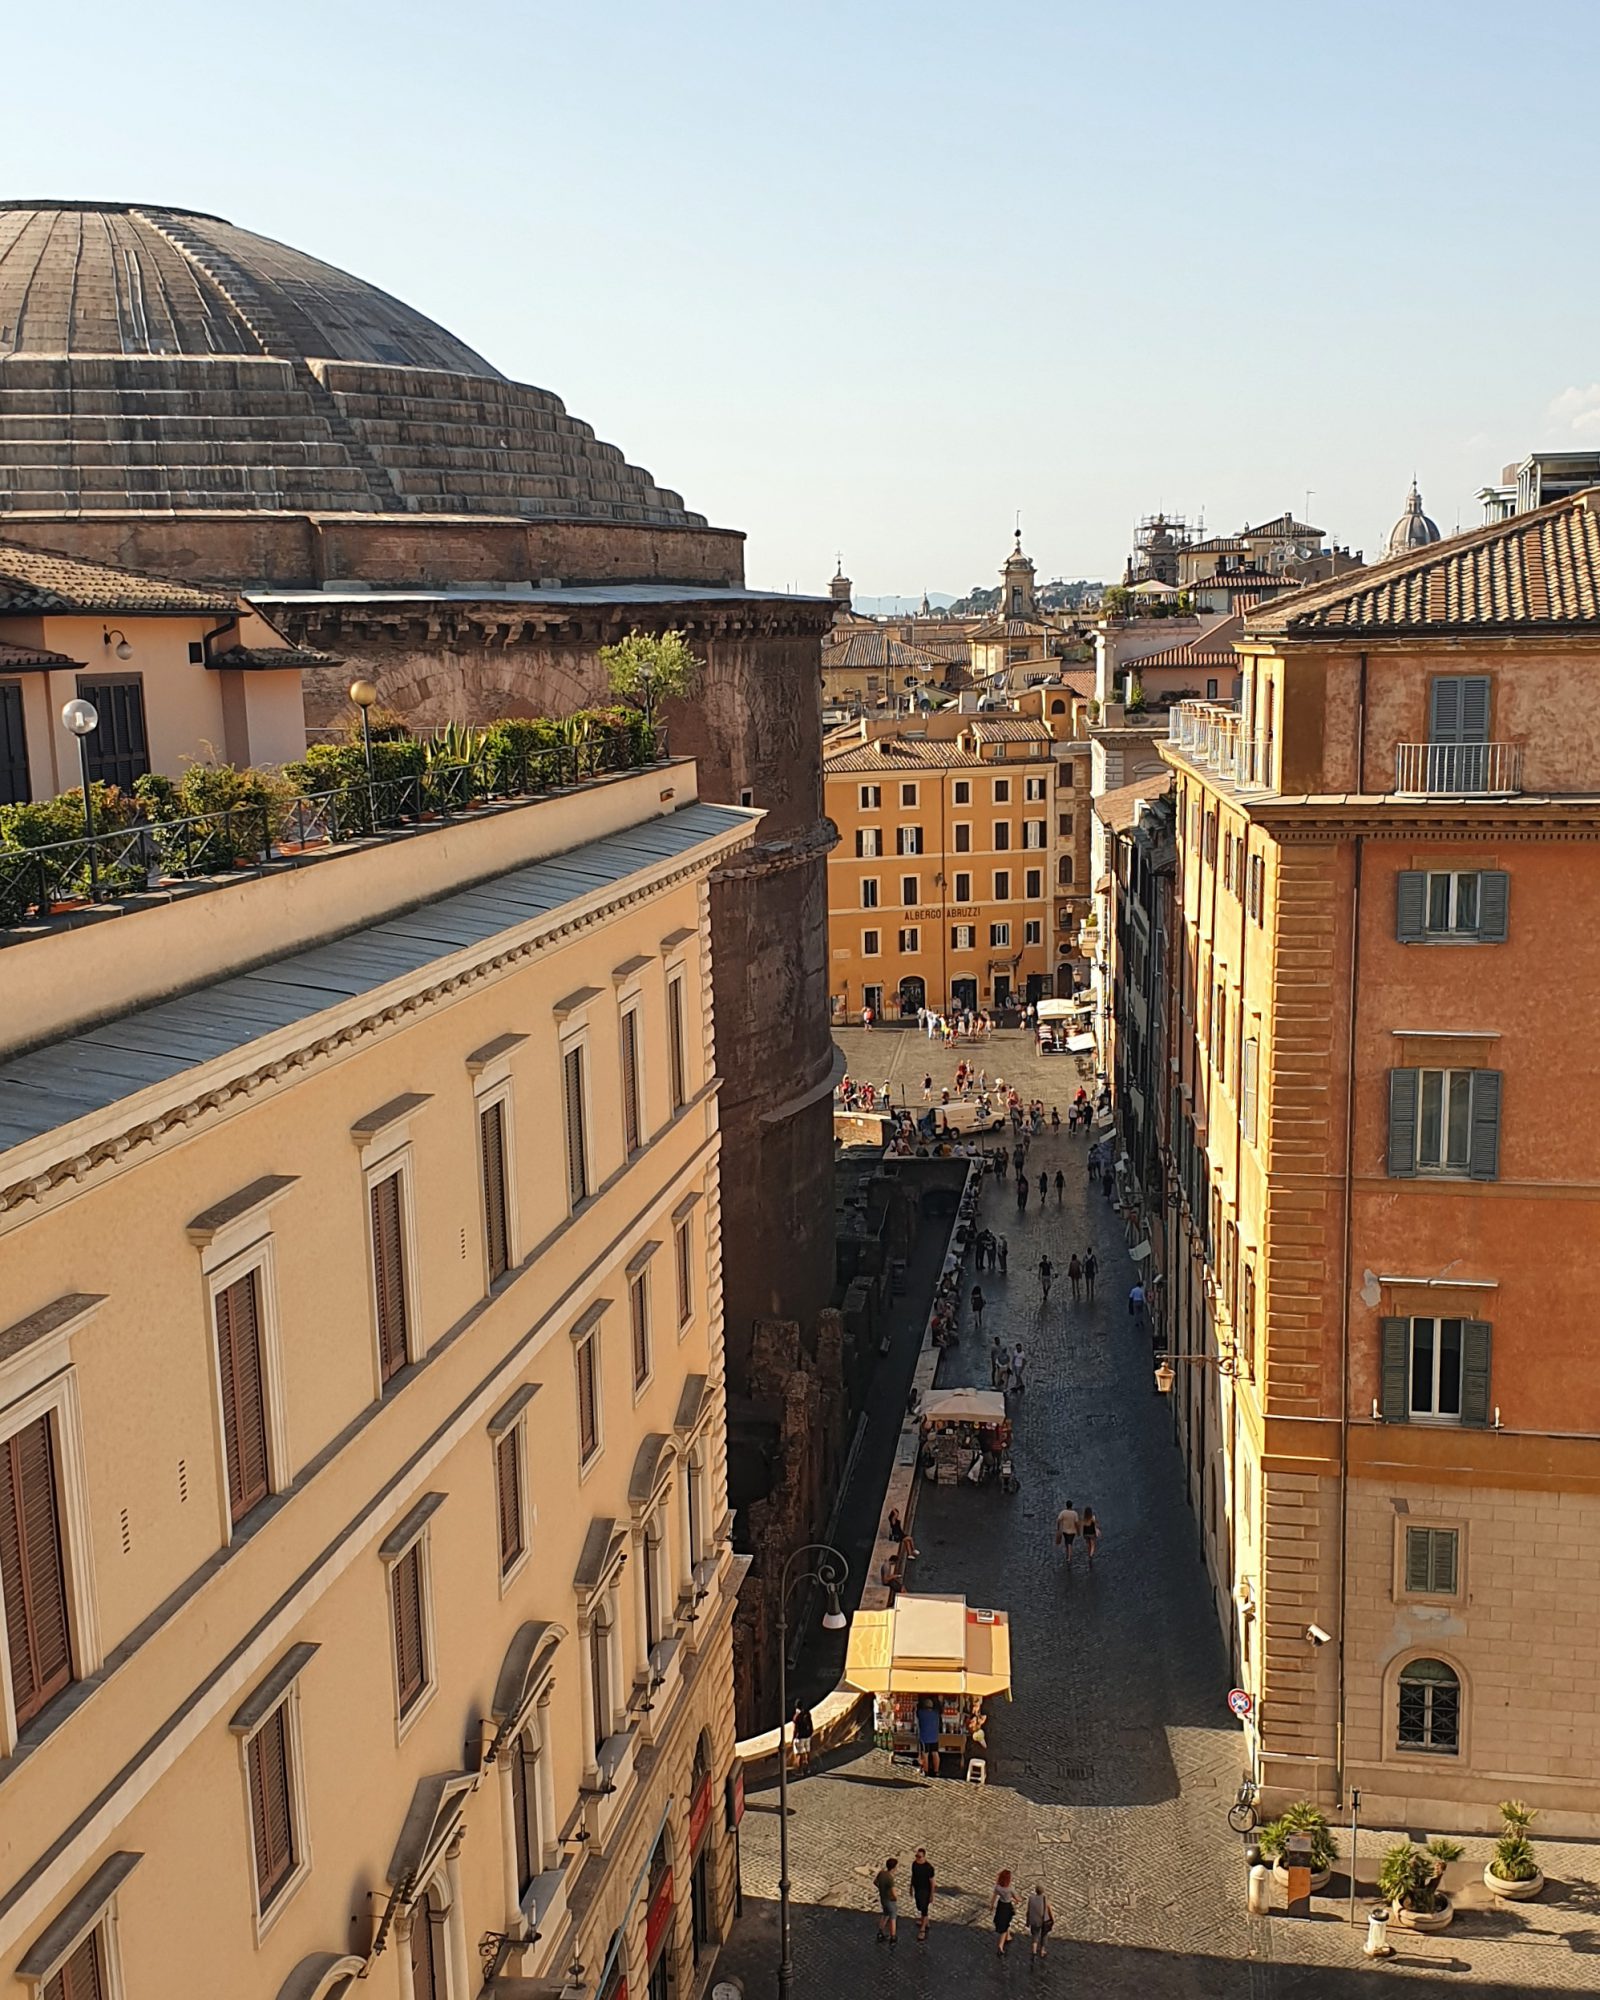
(930, 1645)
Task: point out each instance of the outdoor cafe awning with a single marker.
(964, 1406)
(930, 1645)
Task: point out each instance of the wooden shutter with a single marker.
(631, 1121)
(522, 1787)
(33, 1569)
(1396, 1399)
(411, 1667)
(1419, 1558)
(639, 1315)
(508, 1495)
(244, 1407)
(685, 1273)
(1483, 1158)
(588, 1402)
(1411, 905)
(1494, 902)
(577, 1156)
(272, 1821)
(1403, 1122)
(1475, 708)
(1249, 1068)
(389, 1274)
(1474, 1371)
(1444, 717)
(1440, 1565)
(492, 1157)
(83, 1975)
(425, 1981)
(676, 1065)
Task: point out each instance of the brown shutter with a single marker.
(492, 1154)
(83, 1975)
(630, 1082)
(425, 1982)
(244, 1409)
(577, 1156)
(508, 1495)
(32, 1570)
(676, 1064)
(521, 1784)
(410, 1662)
(389, 1274)
(272, 1822)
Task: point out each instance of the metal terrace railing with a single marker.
(145, 854)
(1457, 770)
(1213, 735)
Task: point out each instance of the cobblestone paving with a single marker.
(1111, 1769)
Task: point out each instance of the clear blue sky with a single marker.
(875, 276)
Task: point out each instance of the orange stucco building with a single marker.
(1382, 1213)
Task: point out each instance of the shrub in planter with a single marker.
(524, 753)
(1300, 1818)
(240, 815)
(341, 769)
(1409, 1882)
(1513, 1869)
(58, 824)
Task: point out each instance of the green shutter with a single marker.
(1494, 897)
(1474, 1371)
(1442, 1563)
(1411, 905)
(1475, 708)
(1483, 1159)
(1396, 1399)
(1419, 1565)
(1403, 1123)
(1444, 718)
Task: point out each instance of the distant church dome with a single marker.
(1413, 530)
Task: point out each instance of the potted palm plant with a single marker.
(1513, 1870)
(1409, 1882)
(1301, 1817)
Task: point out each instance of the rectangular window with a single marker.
(1227, 862)
(237, 1310)
(587, 1358)
(84, 1975)
(870, 943)
(963, 792)
(632, 1096)
(1257, 898)
(1249, 1070)
(677, 1044)
(871, 797)
(492, 1169)
(869, 843)
(406, 1584)
(15, 788)
(1458, 709)
(869, 892)
(1034, 832)
(508, 1496)
(962, 937)
(1445, 1121)
(963, 887)
(1033, 931)
(577, 1123)
(1002, 835)
(963, 837)
(639, 1326)
(1033, 887)
(908, 839)
(909, 887)
(999, 934)
(1034, 789)
(908, 795)
(911, 940)
(119, 749)
(683, 1247)
(271, 1807)
(33, 1569)
(389, 1274)
(1432, 1561)
(1450, 903)
(1436, 1370)
(1002, 791)
(1064, 825)
(1002, 885)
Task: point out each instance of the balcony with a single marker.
(1212, 734)
(1457, 770)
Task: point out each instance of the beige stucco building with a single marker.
(366, 1556)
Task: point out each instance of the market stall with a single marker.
(965, 1434)
(932, 1649)
(1060, 1023)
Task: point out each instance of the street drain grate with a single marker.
(1080, 1774)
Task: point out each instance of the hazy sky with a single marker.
(873, 277)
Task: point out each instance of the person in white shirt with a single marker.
(1067, 1529)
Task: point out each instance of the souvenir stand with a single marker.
(961, 1429)
(937, 1646)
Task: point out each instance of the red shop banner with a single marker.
(700, 1813)
(659, 1915)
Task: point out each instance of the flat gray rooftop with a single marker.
(49, 1087)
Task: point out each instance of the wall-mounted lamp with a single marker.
(110, 634)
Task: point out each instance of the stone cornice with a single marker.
(67, 1157)
(777, 857)
(503, 624)
(1292, 820)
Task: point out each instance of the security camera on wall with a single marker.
(1318, 1637)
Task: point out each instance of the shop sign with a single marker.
(700, 1813)
(659, 1915)
(735, 1796)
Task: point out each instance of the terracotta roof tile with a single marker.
(1116, 807)
(272, 659)
(899, 755)
(1213, 649)
(44, 580)
(18, 657)
(877, 649)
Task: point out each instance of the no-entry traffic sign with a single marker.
(1241, 1702)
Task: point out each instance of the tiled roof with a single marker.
(43, 580)
(1285, 525)
(17, 657)
(1215, 649)
(1116, 808)
(272, 659)
(1534, 571)
(1246, 578)
(890, 754)
(877, 649)
(1215, 545)
(1009, 729)
(1013, 628)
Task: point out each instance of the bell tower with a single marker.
(1017, 598)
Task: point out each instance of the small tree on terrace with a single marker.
(651, 667)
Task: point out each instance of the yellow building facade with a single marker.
(367, 1574)
(940, 888)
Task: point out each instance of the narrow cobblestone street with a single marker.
(1111, 1769)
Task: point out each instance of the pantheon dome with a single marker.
(155, 359)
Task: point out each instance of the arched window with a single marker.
(525, 1810)
(428, 1976)
(1430, 1708)
(1058, 708)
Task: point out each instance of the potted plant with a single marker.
(1513, 1870)
(1409, 1882)
(1301, 1817)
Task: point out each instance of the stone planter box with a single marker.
(1513, 1892)
(1320, 1877)
(1420, 1920)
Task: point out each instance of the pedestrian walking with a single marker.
(1047, 1272)
(922, 1888)
(1022, 1194)
(977, 1306)
(1091, 1533)
(1041, 1920)
(1075, 1277)
(804, 1729)
(1018, 1363)
(1068, 1528)
(1003, 1901)
(997, 1363)
(928, 1723)
(1136, 1306)
(1055, 1123)
(1005, 1251)
(888, 1899)
(1044, 1188)
(1061, 1186)
(1091, 1264)
(866, 1017)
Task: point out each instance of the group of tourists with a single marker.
(1003, 1899)
(964, 1025)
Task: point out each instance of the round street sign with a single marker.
(1240, 1701)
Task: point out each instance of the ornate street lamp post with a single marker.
(83, 719)
(830, 1572)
